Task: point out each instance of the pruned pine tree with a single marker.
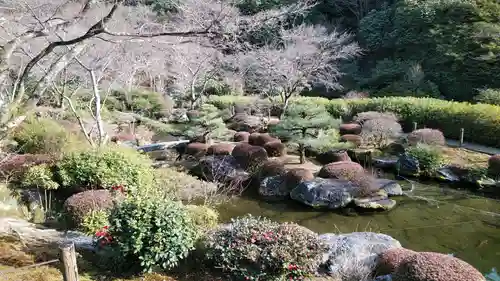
(206, 123)
(302, 123)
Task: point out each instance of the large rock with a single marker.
(392, 187)
(324, 193)
(353, 256)
(435, 267)
(274, 188)
(378, 200)
(223, 169)
(408, 166)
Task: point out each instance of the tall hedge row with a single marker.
(481, 122)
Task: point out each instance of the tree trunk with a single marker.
(302, 150)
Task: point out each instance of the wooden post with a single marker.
(68, 260)
(461, 137)
(414, 126)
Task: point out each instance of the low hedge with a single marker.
(481, 122)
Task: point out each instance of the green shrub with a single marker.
(94, 221)
(180, 185)
(327, 140)
(106, 168)
(491, 96)
(39, 176)
(80, 205)
(254, 248)
(203, 217)
(429, 158)
(144, 102)
(42, 136)
(481, 122)
(154, 233)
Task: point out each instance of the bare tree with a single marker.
(306, 56)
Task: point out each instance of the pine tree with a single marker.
(207, 123)
(302, 124)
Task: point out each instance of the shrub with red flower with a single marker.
(103, 237)
(254, 248)
(119, 188)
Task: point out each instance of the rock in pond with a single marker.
(324, 193)
(274, 188)
(383, 163)
(408, 166)
(392, 187)
(353, 256)
(335, 193)
(379, 200)
(446, 174)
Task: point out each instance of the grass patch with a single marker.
(464, 158)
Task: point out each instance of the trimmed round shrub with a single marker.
(346, 170)
(14, 166)
(295, 176)
(153, 232)
(350, 129)
(354, 139)
(253, 139)
(241, 136)
(221, 149)
(370, 115)
(105, 168)
(79, 205)
(262, 139)
(197, 149)
(426, 136)
(275, 149)
(254, 248)
(271, 168)
(380, 132)
(389, 261)
(494, 165)
(333, 156)
(429, 158)
(428, 266)
(203, 217)
(249, 156)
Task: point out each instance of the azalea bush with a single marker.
(255, 248)
(152, 233)
(429, 158)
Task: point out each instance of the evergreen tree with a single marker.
(207, 122)
(302, 124)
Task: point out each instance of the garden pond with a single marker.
(432, 217)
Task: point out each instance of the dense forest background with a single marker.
(438, 48)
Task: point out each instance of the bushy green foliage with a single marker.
(155, 233)
(254, 248)
(327, 140)
(491, 96)
(94, 221)
(302, 123)
(208, 121)
(39, 176)
(429, 158)
(480, 121)
(163, 7)
(105, 168)
(203, 217)
(454, 42)
(43, 136)
(140, 101)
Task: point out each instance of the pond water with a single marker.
(433, 218)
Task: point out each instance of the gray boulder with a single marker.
(274, 187)
(392, 187)
(407, 166)
(324, 193)
(378, 200)
(353, 256)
